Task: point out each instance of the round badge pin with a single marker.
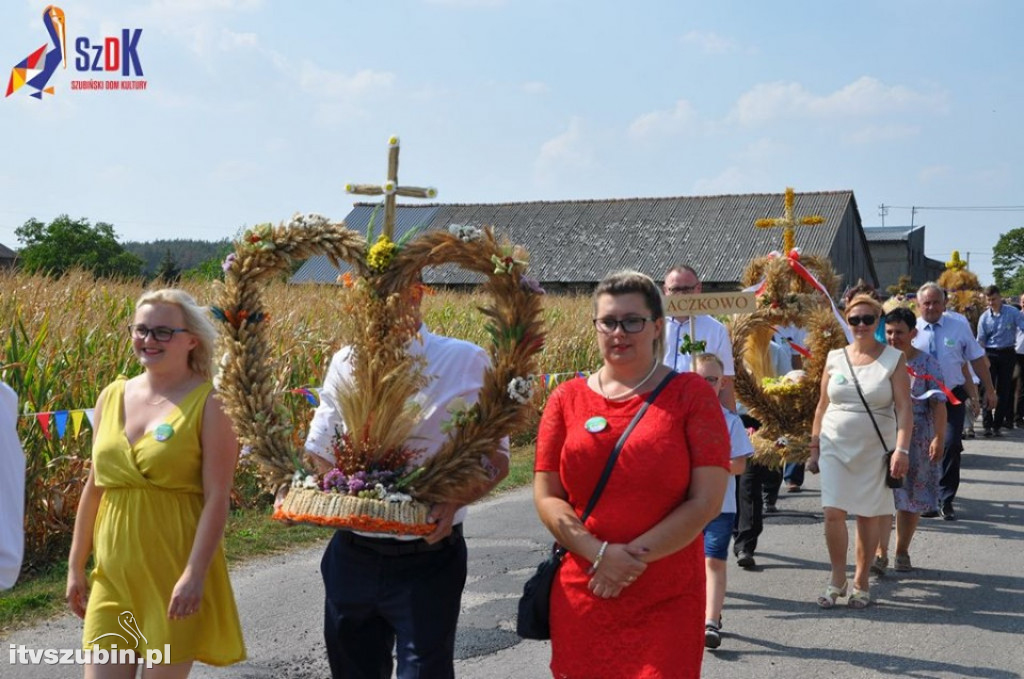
(163, 432)
(840, 378)
(595, 424)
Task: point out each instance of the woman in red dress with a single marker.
(628, 601)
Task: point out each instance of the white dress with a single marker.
(852, 458)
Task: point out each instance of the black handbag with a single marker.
(890, 480)
(534, 617)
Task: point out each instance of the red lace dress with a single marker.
(655, 628)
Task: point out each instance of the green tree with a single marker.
(210, 269)
(1008, 262)
(168, 270)
(64, 244)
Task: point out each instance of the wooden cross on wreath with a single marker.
(788, 223)
(391, 189)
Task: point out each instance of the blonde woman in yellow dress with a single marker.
(154, 506)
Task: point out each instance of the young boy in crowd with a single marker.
(718, 533)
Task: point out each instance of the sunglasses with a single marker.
(866, 319)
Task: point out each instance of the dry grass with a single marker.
(63, 340)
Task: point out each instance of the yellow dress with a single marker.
(145, 526)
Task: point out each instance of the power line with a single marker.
(961, 208)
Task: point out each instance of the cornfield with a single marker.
(63, 340)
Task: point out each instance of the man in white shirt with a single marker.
(12, 490)
(380, 589)
(950, 341)
(683, 280)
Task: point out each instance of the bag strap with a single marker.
(856, 383)
(603, 481)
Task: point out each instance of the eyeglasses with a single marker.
(866, 319)
(680, 290)
(630, 325)
(160, 333)
(711, 379)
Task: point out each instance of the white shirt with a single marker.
(792, 334)
(707, 330)
(12, 490)
(953, 343)
(455, 369)
(740, 445)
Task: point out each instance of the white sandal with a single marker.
(831, 594)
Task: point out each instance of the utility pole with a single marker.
(913, 211)
(883, 210)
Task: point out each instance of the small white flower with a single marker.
(398, 497)
(389, 187)
(465, 233)
(310, 482)
(297, 478)
(381, 491)
(781, 442)
(520, 390)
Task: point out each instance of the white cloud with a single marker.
(568, 153)
(864, 97)
(338, 85)
(873, 134)
(535, 87)
(710, 42)
(754, 168)
(680, 119)
(934, 173)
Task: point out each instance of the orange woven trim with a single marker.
(357, 522)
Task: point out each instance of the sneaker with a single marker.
(793, 488)
(880, 565)
(969, 434)
(745, 560)
(712, 636)
(902, 563)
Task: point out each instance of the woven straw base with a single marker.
(333, 510)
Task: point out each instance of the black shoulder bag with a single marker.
(890, 480)
(533, 620)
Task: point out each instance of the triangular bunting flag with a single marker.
(76, 421)
(44, 422)
(89, 413)
(61, 419)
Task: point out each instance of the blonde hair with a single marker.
(197, 322)
(708, 357)
(627, 282)
(867, 300)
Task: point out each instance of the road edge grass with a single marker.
(249, 534)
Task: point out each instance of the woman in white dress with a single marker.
(847, 450)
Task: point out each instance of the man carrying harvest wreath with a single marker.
(380, 588)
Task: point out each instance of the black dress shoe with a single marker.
(988, 433)
(947, 512)
(997, 432)
(933, 514)
(745, 560)
(771, 509)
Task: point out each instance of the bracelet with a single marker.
(902, 450)
(597, 559)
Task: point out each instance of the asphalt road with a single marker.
(959, 614)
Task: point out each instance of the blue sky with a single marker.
(256, 109)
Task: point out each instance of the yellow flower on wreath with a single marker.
(381, 254)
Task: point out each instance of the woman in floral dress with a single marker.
(920, 491)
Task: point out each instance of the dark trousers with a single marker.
(750, 487)
(1001, 364)
(377, 595)
(1020, 387)
(950, 481)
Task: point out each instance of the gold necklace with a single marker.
(156, 403)
(626, 394)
